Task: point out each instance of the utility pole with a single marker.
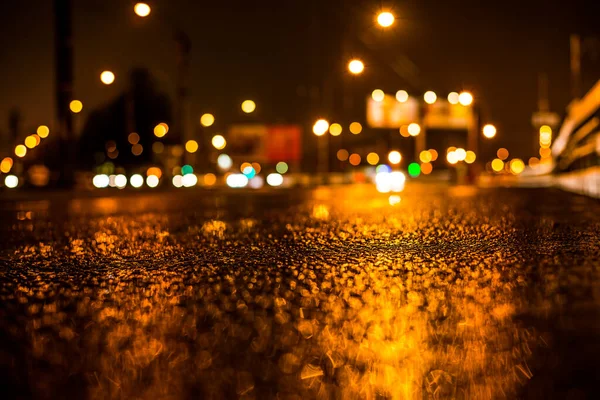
(64, 91)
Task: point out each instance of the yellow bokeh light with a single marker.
(414, 129)
(342, 154)
(426, 168)
(373, 158)
(76, 106)
(107, 77)
(434, 154)
(430, 97)
(160, 130)
(191, 146)
(502, 153)
(385, 19)
(402, 96)
(142, 9)
(546, 129)
(465, 98)
(453, 98)
(378, 95)
(517, 166)
(207, 119)
(356, 67)
(355, 128)
(335, 129)
(545, 138)
(320, 127)
(244, 166)
(394, 157)
(470, 157)
(30, 142)
(43, 131)
(425, 156)
(248, 106)
(20, 150)
(6, 165)
(497, 165)
(354, 159)
(219, 142)
(133, 138)
(210, 179)
(489, 131)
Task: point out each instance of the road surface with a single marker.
(331, 293)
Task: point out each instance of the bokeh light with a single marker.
(453, 98)
(434, 154)
(385, 19)
(394, 199)
(187, 169)
(465, 98)
(430, 97)
(502, 153)
(257, 167)
(210, 179)
(342, 154)
(320, 127)
(378, 95)
(402, 96)
(281, 167)
(154, 171)
(256, 183)
(414, 129)
(497, 165)
(354, 159)
(142, 9)
(76, 106)
(236, 180)
(355, 128)
(137, 149)
(489, 131)
(136, 180)
(100, 181)
(191, 146)
(517, 166)
(425, 156)
(160, 130)
(335, 129)
(545, 152)
(11, 181)
(394, 157)
(20, 150)
(189, 180)
(356, 66)
(224, 161)
(470, 157)
(372, 158)
(120, 181)
(404, 131)
(133, 138)
(460, 154)
(219, 142)
(534, 162)
(414, 170)
(248, 106)
(158, 147)
(107, 77)
(30, 141)
(152, 181)
(426, 168)
(274, 179)
(43, 131)
(6, 165)
(451, 157)
(207, 119)
(177, 181)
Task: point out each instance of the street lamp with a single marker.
(356, 67)
(107, 77)
(489, 131)
(142, 9)
(385, 19)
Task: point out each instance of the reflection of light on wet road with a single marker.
(337, 295)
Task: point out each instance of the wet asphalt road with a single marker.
(332, 293)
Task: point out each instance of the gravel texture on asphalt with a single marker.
(332, 293)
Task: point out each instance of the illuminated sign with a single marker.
(390, 113)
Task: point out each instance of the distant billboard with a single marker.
(443, 115)
(265, 143)
(390, 113)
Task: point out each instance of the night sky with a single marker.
(267, 50)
